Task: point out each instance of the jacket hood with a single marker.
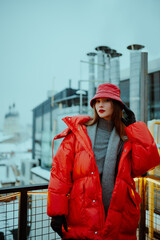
(76, 120)
(75, 125)
(72, 123)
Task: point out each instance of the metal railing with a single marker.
(23, 211)
(149, 190)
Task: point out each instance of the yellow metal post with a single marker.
(151, 207)
(151, 126)
(142, 222)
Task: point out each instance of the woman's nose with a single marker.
(101, 104)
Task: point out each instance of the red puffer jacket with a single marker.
(75, 189)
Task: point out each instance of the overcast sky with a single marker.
(42, 40)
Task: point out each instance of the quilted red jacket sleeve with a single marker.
(60, 180)
(145, 154)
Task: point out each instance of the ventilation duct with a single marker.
(91, 84)
(115, 68)
(138, 82)
(103, 71)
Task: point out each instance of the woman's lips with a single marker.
(101, 111)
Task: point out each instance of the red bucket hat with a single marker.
(107, 90)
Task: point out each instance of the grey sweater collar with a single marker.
(101, 123)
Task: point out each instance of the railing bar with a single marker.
(31, 215)
(22, 188)
(3, 198)
(42, 216)
(22, 226)
(6, 221)
(38, 193)
(153, 177)
(35, 214)
(30, 200)
(13, 215)
(142, 209)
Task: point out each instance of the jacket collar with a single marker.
(76, 120)
(76, 125)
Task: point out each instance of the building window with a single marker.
(154, 95)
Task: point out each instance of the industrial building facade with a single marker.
(47, 116)
(153, 94)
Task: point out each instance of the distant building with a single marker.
(12, 122)
(47, 122)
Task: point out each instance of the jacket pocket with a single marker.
(134, 197)
(133, 204)
(131, 212)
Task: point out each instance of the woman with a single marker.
(91, 192)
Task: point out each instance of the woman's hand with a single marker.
(56, 224)
(130, 116)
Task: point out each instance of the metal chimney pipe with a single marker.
(70, 83)
(138, 82)
(91, 84)
(103, 61)
(115, 68)
(144, 87)
(107, 68)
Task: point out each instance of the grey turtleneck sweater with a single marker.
(103, 131)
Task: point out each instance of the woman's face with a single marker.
(104, 108)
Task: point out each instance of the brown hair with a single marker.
(116, 118)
